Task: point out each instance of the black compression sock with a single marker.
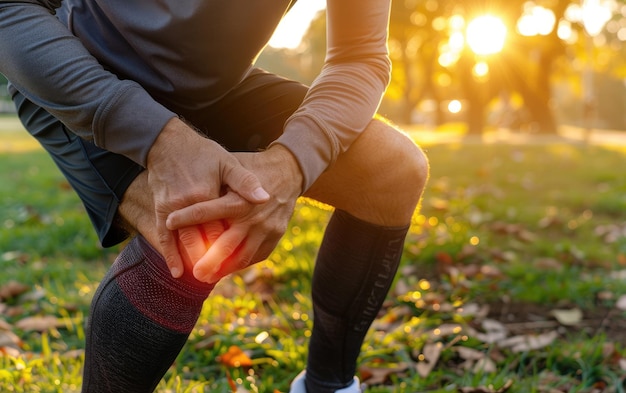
(354, 270)
(140, 319)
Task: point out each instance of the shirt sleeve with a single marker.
(346, 94)
(46, 63)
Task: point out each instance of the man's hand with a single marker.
(194, 241)
(185, 168)
(251, 231)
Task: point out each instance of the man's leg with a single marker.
(375, 188)
(140, 315)
(140, 319)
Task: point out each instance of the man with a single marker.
(155, 114)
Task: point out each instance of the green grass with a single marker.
(532, 227)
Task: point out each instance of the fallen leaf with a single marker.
(439, 204)
(9, 339)
(618, 275)
(485, 365)
(473, 310)
(570, 317)
(548, 264)
(39, 323)
(380, 375)
(490, 271)
(391, 317)
(4, 325)
(10, 352)
(74, 353)
(16, 256)
(550, 221)
(35, 295)
(428, 359)
(401, 287)
(526, 343)
(621, 303)
(605, 295)
(235, 357)
(526, 236)
(610, 233)
(14, 311)
(444, 258)
(494, 331)
(12, 289)
(469, 353)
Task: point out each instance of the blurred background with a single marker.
(533, 67)
(525, 66)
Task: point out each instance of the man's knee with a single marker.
(379, 179)
(403, 164)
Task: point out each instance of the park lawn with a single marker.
(513, 279)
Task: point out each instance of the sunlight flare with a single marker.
(537, 20)
(486, 35)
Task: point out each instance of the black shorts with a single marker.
(248, 118)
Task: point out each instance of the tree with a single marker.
(431, 62)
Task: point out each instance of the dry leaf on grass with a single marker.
(475, 360)
(526, 343)
(12, 289)
(380, 375)
(485, 365)
(4, 325)
(39, 323)
(473, 310)
(74, 353)
(235, 357)
(10, 352)
(9, 339)
(469, 353)
(392, 317)
(494, 331)
(428, 359)
(570, 317)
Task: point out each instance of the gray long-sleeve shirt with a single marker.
(116, 71)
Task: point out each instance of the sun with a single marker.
(486, 35)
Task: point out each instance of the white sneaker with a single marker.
(297, 386)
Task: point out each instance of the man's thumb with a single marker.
(247, 185)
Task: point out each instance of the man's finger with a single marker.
(225, 246)
(169, 249)
(246, 184)
(212, 230)
(192, 244)
(228, 206)
(245, 256)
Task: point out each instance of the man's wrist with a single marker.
(174, 130)
(289, 164)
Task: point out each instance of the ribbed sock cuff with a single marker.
(149, 286)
